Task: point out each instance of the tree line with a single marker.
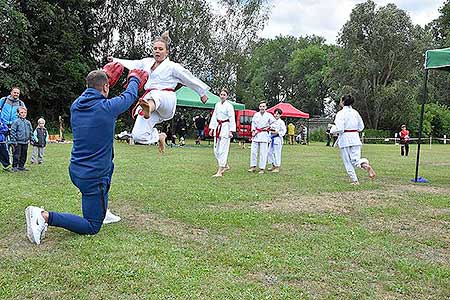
(49, 46)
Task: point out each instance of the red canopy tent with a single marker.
(289, 111)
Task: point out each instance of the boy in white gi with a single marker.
(159, 101)
(260, 137)
(222, 125)
(277, 132)
(348, 124)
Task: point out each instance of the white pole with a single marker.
(445, 139)
(430, 141)
(395, 138)
(363, 134)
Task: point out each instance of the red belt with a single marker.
(351, 130)
(141, 113)
(155, 89)
(219, 126)
(258, 130)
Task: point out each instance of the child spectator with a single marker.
(21, 131)
(39, 141)
(4, 155)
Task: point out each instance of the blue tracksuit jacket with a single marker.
(93, 120)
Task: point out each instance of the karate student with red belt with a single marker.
(261, 122)
(222, 126)
(348, 124)
(159, 101)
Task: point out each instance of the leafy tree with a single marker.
(14, 51)
(275, 71)
(436, 121)
(381, 51)
(49, 51)
(308, 68)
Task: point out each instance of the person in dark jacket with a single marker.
(21, 131)
(93, 119)
(39, 141)
(4, 155)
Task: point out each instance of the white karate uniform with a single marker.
(276, 144)
(166, 76)
(260, 142)
(222, 112)
(349, 142)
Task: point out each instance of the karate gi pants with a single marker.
(221, 149)
(94, 202)
(351, 156)
(144, 130)
(261, 148)
(274, 156)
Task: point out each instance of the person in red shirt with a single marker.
(404, 141)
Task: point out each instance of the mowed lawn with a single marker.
(304, 233)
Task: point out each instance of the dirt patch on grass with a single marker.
(421, 188)
(293, 228)
(338, 202)
(140, 220)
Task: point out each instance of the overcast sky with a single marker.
(326, 17)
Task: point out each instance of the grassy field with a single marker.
(304, 233)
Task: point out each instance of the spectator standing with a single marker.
(404, 141)
(9, 106)
(4, 155)
(291, 133)
(39, 141)
(328, 133)
(21, 131)
(200, 128)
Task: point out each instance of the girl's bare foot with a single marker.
(162, 143)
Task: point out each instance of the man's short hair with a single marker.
(15, 88)
(21, 108)
(262, 102)
(96, 79)
(278, 111)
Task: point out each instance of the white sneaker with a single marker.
(36, 226)
(110, 217)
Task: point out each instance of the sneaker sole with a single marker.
(111, 221)
(29, 231)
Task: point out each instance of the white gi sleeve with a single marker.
(339, 122)
(282, 131)
(231, 117)
(360, 122)
(213, 121)
(189, 80)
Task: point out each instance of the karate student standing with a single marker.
(222, 125)
(260, 138)
(277, 132)
(348, 125)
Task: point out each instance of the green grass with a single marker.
(304, 233)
